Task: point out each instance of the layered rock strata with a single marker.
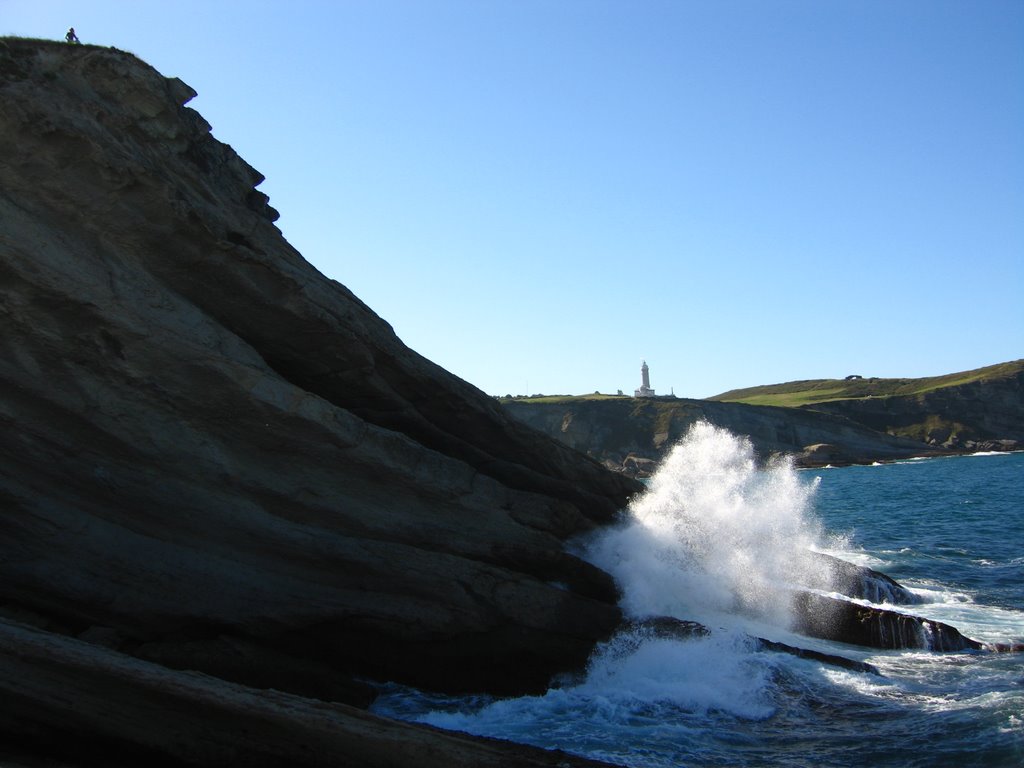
(88, 701)
(134, 713)
(982, 415)
(632, 435)
(215, 458)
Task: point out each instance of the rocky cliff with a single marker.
(984, 413)
(214, 458)
(634, 434)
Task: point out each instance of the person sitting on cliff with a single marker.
(71, 37)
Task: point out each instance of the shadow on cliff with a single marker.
(214, 458)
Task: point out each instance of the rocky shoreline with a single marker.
(218, 462)
(825, 455)
(632, 435)
(230, 497)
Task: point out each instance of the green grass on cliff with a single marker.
(797, 393)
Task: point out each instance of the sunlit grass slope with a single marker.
(794, 394)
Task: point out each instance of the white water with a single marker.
(713, 537)
(715, 540)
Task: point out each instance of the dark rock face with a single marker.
(845, 622)
(831, 574)
(215, 458)
(99, 707)
(829, 659)
(669, 628)
(631, 435)
(664, 628)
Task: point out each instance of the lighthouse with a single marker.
(645, 382)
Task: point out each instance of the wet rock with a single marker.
(831, 659)
(665, 628)
(846, 622)
(1005, 647)
(670, 628)
(831, 574)
(639, 466)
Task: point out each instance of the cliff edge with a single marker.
(632, 435)
(855, 420)
(214, 458)
(967, 411)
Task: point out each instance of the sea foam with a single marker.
(714, 535)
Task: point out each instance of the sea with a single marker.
(713, 540)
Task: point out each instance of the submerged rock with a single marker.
(829, 659)
(635, 632)
(664, 628)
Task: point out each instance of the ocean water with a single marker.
(713, 540)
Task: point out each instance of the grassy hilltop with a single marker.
(957, 411)
(796, 394)
(852, 420)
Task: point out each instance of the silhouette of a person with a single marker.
(71, 37)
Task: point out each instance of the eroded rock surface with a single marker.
(215, 458)
(633, 435)
(127, 712)
(980, 415)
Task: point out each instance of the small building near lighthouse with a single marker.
(645, 382)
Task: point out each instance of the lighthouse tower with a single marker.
(645, 382)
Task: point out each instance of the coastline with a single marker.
(632, 436)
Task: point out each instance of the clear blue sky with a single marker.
(538, 194)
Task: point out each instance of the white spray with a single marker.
(715, 539)
(714, 535)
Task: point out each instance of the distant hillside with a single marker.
(795, 394)
(634, 434)
(957, 411)
(824, 421)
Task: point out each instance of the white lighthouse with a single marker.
(645, 382)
